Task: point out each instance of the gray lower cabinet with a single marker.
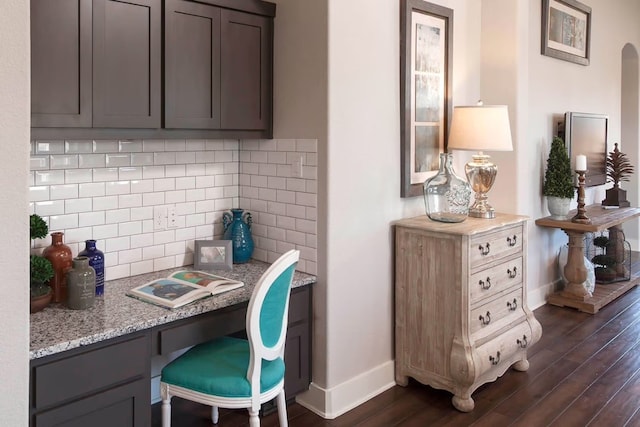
(108, 383)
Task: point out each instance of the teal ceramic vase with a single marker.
(237, 228)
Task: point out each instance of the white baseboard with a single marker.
(333, 402)
(538, 297)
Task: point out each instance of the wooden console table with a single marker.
(574, 293)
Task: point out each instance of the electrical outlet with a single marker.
(296, 166)
(159, 218)
(172, 217)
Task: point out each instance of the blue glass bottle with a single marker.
(237, 228)
(96, 260)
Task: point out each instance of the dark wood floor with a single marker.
(584, 371)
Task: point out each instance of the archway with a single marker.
(629, 133)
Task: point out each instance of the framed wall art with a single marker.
(212, 255)
(566, 30)
(426, 52)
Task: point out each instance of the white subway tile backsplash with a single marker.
(129, 173)
(77, 176)
(130, 146)
(107, 190)
(49, 207)
(39, 193)
(141, 186)
(88, 219)
(62, 222)
(49, 147)
(63, 161)
(78, 205)
(117, 188)
(105, 174)
(130, 200)
(105, 146)
(78, 147)
(117, 272)
(117, 216)
(141, 159)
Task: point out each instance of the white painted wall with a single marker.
(14, 170)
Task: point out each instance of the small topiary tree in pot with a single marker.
(41, 270)
(558, 180)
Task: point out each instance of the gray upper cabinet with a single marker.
(126, 63)
(100, 69)
(192, 65)
(246, 70)
(218, 67)
(61, 63)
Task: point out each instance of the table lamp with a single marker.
(480, 127)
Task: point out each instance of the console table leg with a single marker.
(575, 271)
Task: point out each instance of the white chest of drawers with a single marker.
(461, 303)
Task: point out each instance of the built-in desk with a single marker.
(93, 367)
(575, 294)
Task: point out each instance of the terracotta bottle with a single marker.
(60, 256)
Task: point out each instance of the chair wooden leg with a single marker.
(282, 409)
(166, 412)
(254, 420)
(214, 414)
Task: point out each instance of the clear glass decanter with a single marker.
(446, 195)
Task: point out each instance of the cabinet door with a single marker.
(126, 405)
(126, 63)
(246, 71)
(192, 65)
(61, 63)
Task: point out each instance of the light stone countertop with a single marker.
(57, 328)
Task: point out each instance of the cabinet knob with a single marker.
(495, 360)
(484, 251)
(512, 305)
(512, 273)
(485, 285)
(512, 241)
(486, 319)
(522, 343)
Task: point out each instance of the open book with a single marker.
(183, 287)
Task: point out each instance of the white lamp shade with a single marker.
(481, 128)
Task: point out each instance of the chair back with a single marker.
(266, 320)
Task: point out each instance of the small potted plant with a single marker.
(41, 270)
(604, 264)
(558, 181)
(619, 168)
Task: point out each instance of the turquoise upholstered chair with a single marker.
(237, 373)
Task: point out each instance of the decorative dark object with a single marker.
(566, 30)
(581, 215)
(81, 284)
(611, 255)
(426, 70)
(40, 268)
(60, 256)
(558, 180)
(446, 195)
(96, 261)
(619, 168)
(237, 228)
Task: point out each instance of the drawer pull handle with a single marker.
(485, 285)
(485, 320)
(523, 342)
(484, 251)
(512, 273)
(513, 306)
(495, 360)
(512, 241)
